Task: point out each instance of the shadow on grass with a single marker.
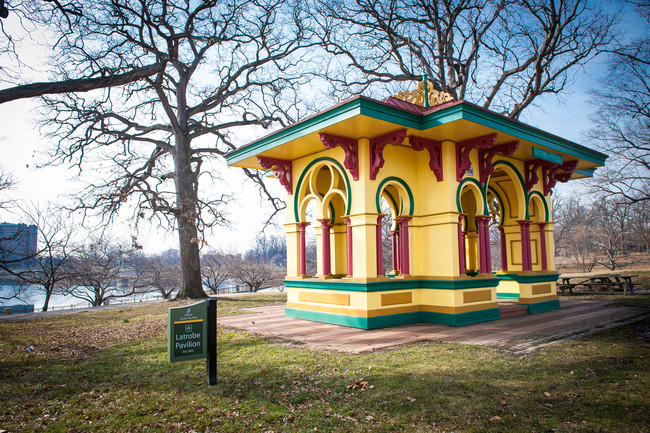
(593, 384)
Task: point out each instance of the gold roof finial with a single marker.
(424, 95)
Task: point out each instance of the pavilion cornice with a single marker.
(400, 118)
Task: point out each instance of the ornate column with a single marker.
(325, 239)
(394, 249)
(526, 260)
(404, 245)
(462, 265)
(380, 256)
(302, 253)
(485, 261)
(348, 235)
(542, 245)
(504, 252)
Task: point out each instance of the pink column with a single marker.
(462, 265)
(504, 252)
(485, 262)
(542, 244)
(302, 253)
(395, 241)
(349, 244)
(380, 256)
(526, 261)
(404, 245)
(326, 268)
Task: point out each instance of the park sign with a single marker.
(193, 335)
(187, 332)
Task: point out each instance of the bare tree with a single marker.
(224, 65)
(96, 274)
(640, 226)
(254, 273)
(46, 271)
(501, 54)
(573, 231)
(6, 183)
(611, 231)
(158, 273)
(215, 269)
(622, 119)
(58, 16)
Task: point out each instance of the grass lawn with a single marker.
(108, 371)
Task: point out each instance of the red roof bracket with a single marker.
(349, 146)
(281, 170)
(485, 158)
(435, 153)
(530, 171)
(463, 148)
(377, 145)
(551, 175)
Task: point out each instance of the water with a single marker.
(59, 301)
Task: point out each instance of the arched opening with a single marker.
(498, 249)
(507, 204)
(395, 207)
(471, 207)
(310, 248)
(537, 214)
(321, 207)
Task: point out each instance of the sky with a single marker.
(22, 152)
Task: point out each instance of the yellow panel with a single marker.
(540, 289)
(396, 298)
(515, 252)
(458, 310)
(538, 299)
(324, 298)
(477, 296)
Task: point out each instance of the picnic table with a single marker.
(602, 281)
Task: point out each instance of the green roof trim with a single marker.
(546, 156)
(361, 105)
(589, 172)
(392, 285)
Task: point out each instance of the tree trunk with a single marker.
(191, 284)
(48, 294)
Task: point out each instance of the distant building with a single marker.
(17, 241)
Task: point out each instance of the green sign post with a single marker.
(193, 335)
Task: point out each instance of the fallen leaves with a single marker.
(361, 385)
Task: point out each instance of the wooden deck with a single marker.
(519, 334)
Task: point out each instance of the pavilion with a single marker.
(445, 171)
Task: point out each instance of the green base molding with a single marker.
(529, 279)
(507, 295)
(461, 318)
(541, 307)
(395, 319)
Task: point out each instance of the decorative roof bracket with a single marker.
(349, 146)
(530, 171)
(485, 158)
(463, 148)
(377, 145)
(281, 170)
(435, 153)
(551, 175)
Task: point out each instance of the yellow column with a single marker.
(364, 241)
(339, 250)
(293, 249)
